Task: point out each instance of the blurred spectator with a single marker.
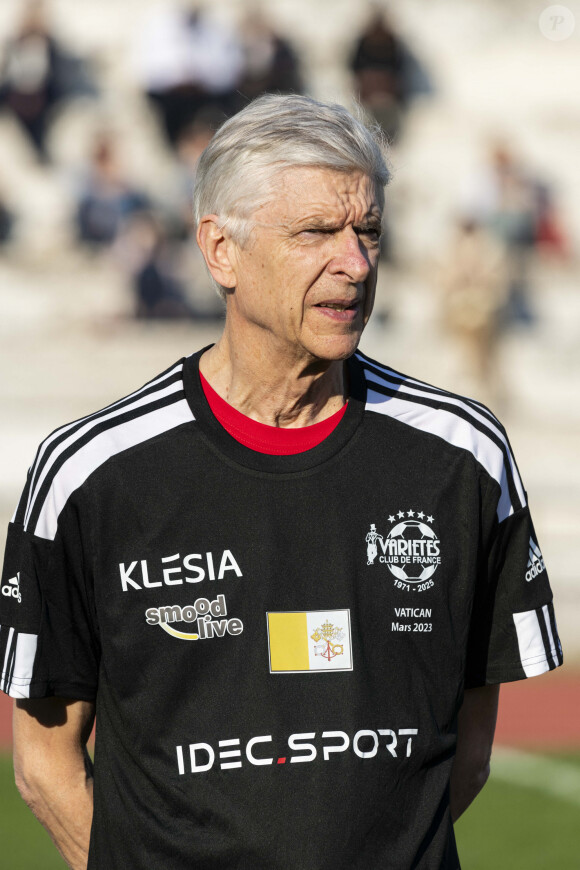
(6, 222)
(518, 208)
(158, 293)
(187, 61)
(387, 75)
(152, 263)
(551, 238)
(107, 199)
(271, 65)
(191, 142)
(36, 73)
(474, 281)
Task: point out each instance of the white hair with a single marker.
(274, 133)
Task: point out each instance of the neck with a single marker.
(272, 389)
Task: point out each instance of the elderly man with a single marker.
(191, 562)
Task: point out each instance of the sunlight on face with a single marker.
(305, 282)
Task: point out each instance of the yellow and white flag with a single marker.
(313, 640)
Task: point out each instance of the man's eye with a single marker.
(371, 233)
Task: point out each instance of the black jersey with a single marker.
(277, 645)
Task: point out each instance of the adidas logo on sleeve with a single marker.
(12, 588)
(535, 561)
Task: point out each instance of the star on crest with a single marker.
(410, 513)
(391, 519)
(430, 519)
(420, 515)
(401, 515)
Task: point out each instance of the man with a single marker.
(192, 560)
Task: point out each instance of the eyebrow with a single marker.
(368, 222)
(317, 223)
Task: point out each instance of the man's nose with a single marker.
(351, 258)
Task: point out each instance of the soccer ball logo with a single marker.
(412, 551)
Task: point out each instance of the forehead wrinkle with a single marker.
(343, 198)
(328, 216)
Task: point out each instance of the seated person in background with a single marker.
(107, 199)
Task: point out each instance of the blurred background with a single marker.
(105, 107)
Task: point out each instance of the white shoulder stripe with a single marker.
(454, 430)
(88, 458)
(58, 432)
(478, 413)
(448, 398)
(393, 379)
(90, 423)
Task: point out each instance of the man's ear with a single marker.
(217, 250)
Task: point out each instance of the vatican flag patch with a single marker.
(310, 641)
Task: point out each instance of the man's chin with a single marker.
(335, 348)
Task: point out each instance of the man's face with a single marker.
(306, 279)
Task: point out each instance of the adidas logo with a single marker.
(12, 588)
(535, 562)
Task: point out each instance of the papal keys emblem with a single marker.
(328, 641)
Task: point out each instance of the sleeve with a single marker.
(48, 642)
(513, 633)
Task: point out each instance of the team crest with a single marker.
(410, 550)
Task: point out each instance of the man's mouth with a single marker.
(334, 305)
(339, 310)
(337, 306)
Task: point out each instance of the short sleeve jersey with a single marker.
(277, 645)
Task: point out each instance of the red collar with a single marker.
(274, 440)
